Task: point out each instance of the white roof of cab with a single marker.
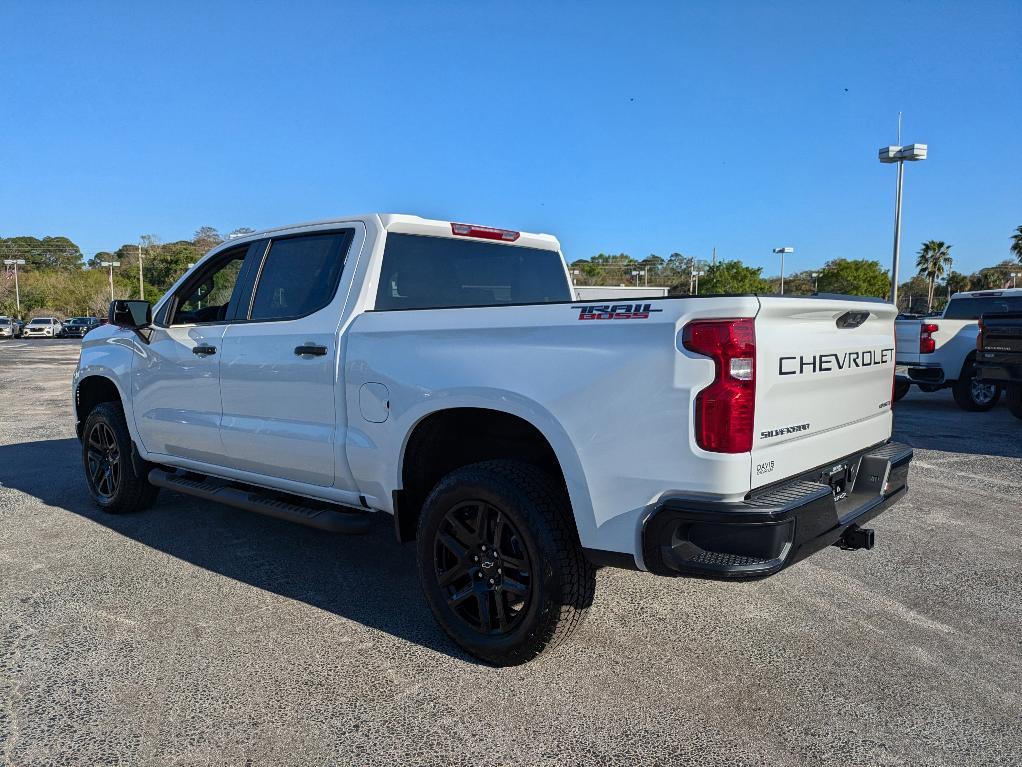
(407, 224)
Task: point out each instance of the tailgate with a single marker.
(824, 374)
(906, 339)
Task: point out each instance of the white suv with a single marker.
(42, 327)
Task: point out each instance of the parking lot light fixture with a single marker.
(16, 262)
(782, 251)
(111, 265)
(816, 282)
(900, 155)
(1014, 277)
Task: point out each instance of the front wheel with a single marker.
(972, 395)
(501, 565)
(109, 470)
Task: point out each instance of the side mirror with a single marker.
(132, 315)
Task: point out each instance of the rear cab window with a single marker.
(424, 272)
(974, 307)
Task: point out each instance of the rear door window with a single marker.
(422, 272)
(299, 275)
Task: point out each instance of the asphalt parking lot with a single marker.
(198, 634)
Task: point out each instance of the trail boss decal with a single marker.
(825, 363)
(615, 312)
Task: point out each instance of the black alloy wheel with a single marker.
(483, 568)
(103, 461)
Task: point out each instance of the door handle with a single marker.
(314, 349)
(202, 350)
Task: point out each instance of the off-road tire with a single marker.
(131, 491)
(962, 389)
(562, 582)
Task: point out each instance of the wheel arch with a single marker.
(445, 439)
(91, 391)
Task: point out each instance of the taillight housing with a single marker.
(726, 409)
(926, 343)
(979, 336)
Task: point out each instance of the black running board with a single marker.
(333, 520)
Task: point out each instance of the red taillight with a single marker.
(979, 336)
(726, 409)
(484, 232)
(926, 343)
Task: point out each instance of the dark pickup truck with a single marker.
(999, 355)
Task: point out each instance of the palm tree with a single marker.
(933, 261)
(1016, 244)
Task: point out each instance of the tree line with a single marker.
(57, 280)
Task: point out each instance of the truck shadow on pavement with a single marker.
(367, 578)
(934, 422)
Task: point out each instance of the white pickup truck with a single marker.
(940, 352)
(441, 373)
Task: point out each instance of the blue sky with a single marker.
(637, 127)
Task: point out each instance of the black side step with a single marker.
(333, 520)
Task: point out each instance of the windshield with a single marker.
(41, 321)
(79, 321)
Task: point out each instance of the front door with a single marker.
(278, 368)
(176, 376)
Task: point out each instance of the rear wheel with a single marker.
(901, 388)
(1014, 400)
(500, 561)
(109, 470)
(972, 395)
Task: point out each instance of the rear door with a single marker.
(279, 371)
(824, 376)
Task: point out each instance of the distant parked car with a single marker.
(77, 327)
(10, 328)
(43, 327)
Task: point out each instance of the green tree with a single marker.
(45, 253)
(732, 277)
(1016, 244)
(958, 282)
(933, 261)
(854, 277)
(206, 237)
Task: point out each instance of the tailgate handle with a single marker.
(851, 319)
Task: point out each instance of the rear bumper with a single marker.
(997, 370)
(925, 373)
(778, 527)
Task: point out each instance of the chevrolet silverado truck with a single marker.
(999, 355)
(935, 353)
(442, 373)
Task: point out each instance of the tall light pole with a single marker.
(900, 155)
(141, 289)
(782, 251)
(16, 262)
(816, 282)
(696, 274)
(1015, 276)
(111, 265)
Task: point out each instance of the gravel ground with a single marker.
(197, 634)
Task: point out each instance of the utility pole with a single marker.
(111, 265)
(782, 251)
(713, 259)
(141, 289)
(816, 282)
(17, 290)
